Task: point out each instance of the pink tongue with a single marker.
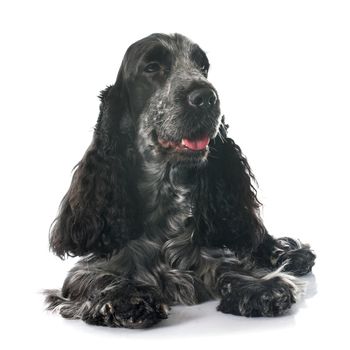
(196, 145)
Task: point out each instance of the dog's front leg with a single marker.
(254, 293)
(94, 294)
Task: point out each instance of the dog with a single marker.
(163, 207)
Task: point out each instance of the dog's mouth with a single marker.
(187, 145)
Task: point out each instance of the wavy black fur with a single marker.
(98, 215)
(159, 216)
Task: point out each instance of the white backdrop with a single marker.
(282, 72)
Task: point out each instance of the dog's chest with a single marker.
(167, 201)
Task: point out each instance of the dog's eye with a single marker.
(152, 67)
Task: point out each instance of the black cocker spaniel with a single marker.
(162, 205)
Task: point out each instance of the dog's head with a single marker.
(174, 108)
(163, 108)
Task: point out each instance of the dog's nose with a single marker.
(202, 98)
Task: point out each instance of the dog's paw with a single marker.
(136, 308)
(299, 262)
(296, 257)
(261, 298)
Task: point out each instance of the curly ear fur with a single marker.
(98, 214)
(232, 214)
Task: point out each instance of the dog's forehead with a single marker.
(174, 48)
(177, 45)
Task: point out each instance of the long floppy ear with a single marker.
(232, 213)
(98, 214)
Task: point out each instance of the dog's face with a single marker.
(176, 108)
